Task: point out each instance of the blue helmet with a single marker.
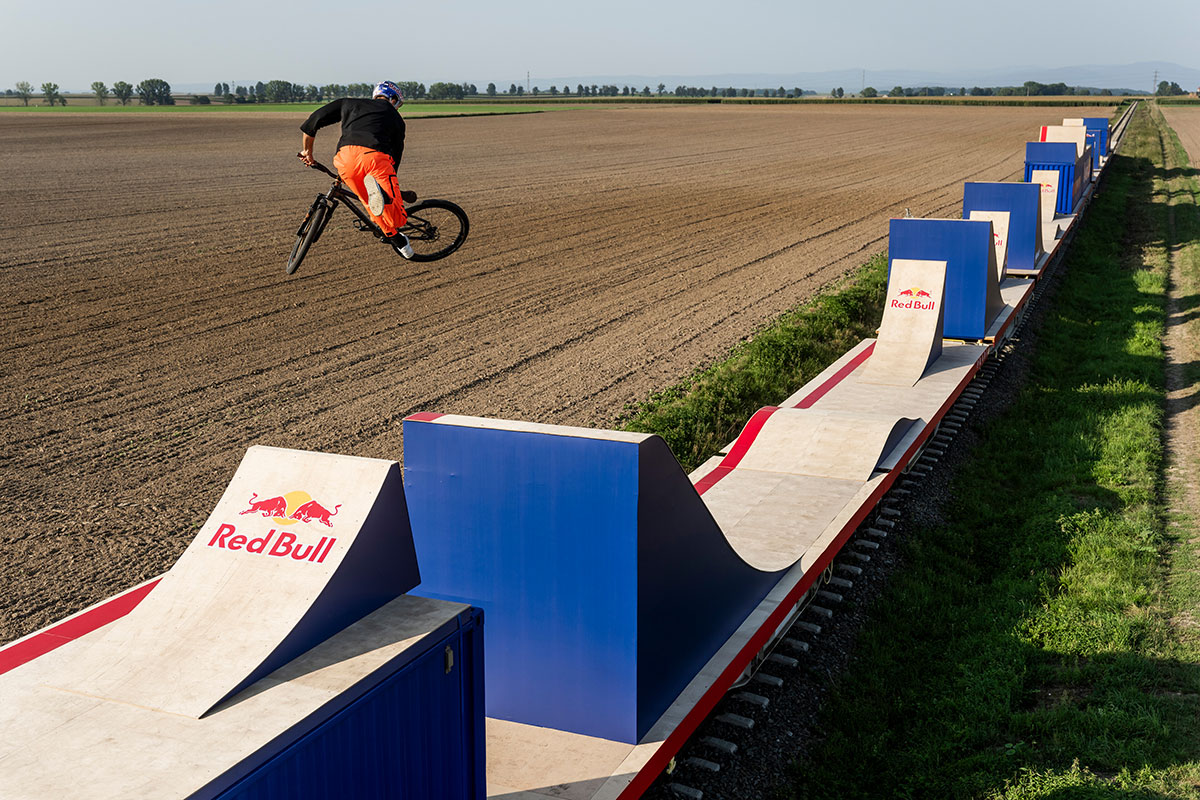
(388, 91)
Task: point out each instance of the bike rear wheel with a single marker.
(310, 230)
(435, 229)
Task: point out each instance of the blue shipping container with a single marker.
(416, 732)
(1058, 156)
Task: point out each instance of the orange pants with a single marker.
(353, 163)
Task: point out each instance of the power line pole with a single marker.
(528, 87)
(1154, 86)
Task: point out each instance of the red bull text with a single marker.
(282, 546)
(915, 303)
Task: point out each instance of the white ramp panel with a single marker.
(1048, 179)
(910, 334)
(999, 220)
(299, 546)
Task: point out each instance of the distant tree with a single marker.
(645, 91)
(445, 91)
(471, 89)
(122, 91)
(155, 92)
(797, 92)
(661, 86)
(566, 90)
(1171, 89)
(51, 97)
(536, 91)
(312, 94)
(962, 91)
(24, 91)
(897, 91)
(579, 90)
(625, 91)
(200, 100)
(520, 91)
(870, 92)
(1106, 92)
(491, 90)
(553, 91)
(839, 92)
(512, 88)
(100, 90)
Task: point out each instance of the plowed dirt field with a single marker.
(150, 334)
(1186, 122)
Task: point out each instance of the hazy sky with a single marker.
(74, 42)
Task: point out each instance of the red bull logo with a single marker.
(1047, 188)
(290, 508)
(915, 293)
(997, 239)
(285, 545)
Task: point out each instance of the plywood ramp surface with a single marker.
(227, 613)
(104, 749)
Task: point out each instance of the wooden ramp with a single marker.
(299, 546)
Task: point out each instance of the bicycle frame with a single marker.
(339, 193)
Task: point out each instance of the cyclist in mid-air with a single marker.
(368, 154)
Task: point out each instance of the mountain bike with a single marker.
(435, 228)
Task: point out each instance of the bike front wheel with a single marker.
(309, 232)
(435, 229)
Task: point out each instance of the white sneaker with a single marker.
(376, 199)
(403, 249)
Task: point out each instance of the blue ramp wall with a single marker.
(605, 582)
(1020, 200)
(1098, 126)
(964, 245)
(1059, 156)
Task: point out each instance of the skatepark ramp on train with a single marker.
(609, 574)
(274, 571)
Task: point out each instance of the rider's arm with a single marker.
(325, 115)
(306, 148)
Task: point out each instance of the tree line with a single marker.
(155, 91)
(151, 92)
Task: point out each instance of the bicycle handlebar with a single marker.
(322, 167)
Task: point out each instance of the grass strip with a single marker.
(1025, 649)
(705, 411)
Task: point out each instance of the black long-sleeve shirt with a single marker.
(369, 123)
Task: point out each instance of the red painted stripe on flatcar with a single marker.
(54, 637)
(837, 377)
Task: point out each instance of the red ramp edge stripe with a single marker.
(837, 377)
(739, 449)
(424, 416)
(27, 650)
